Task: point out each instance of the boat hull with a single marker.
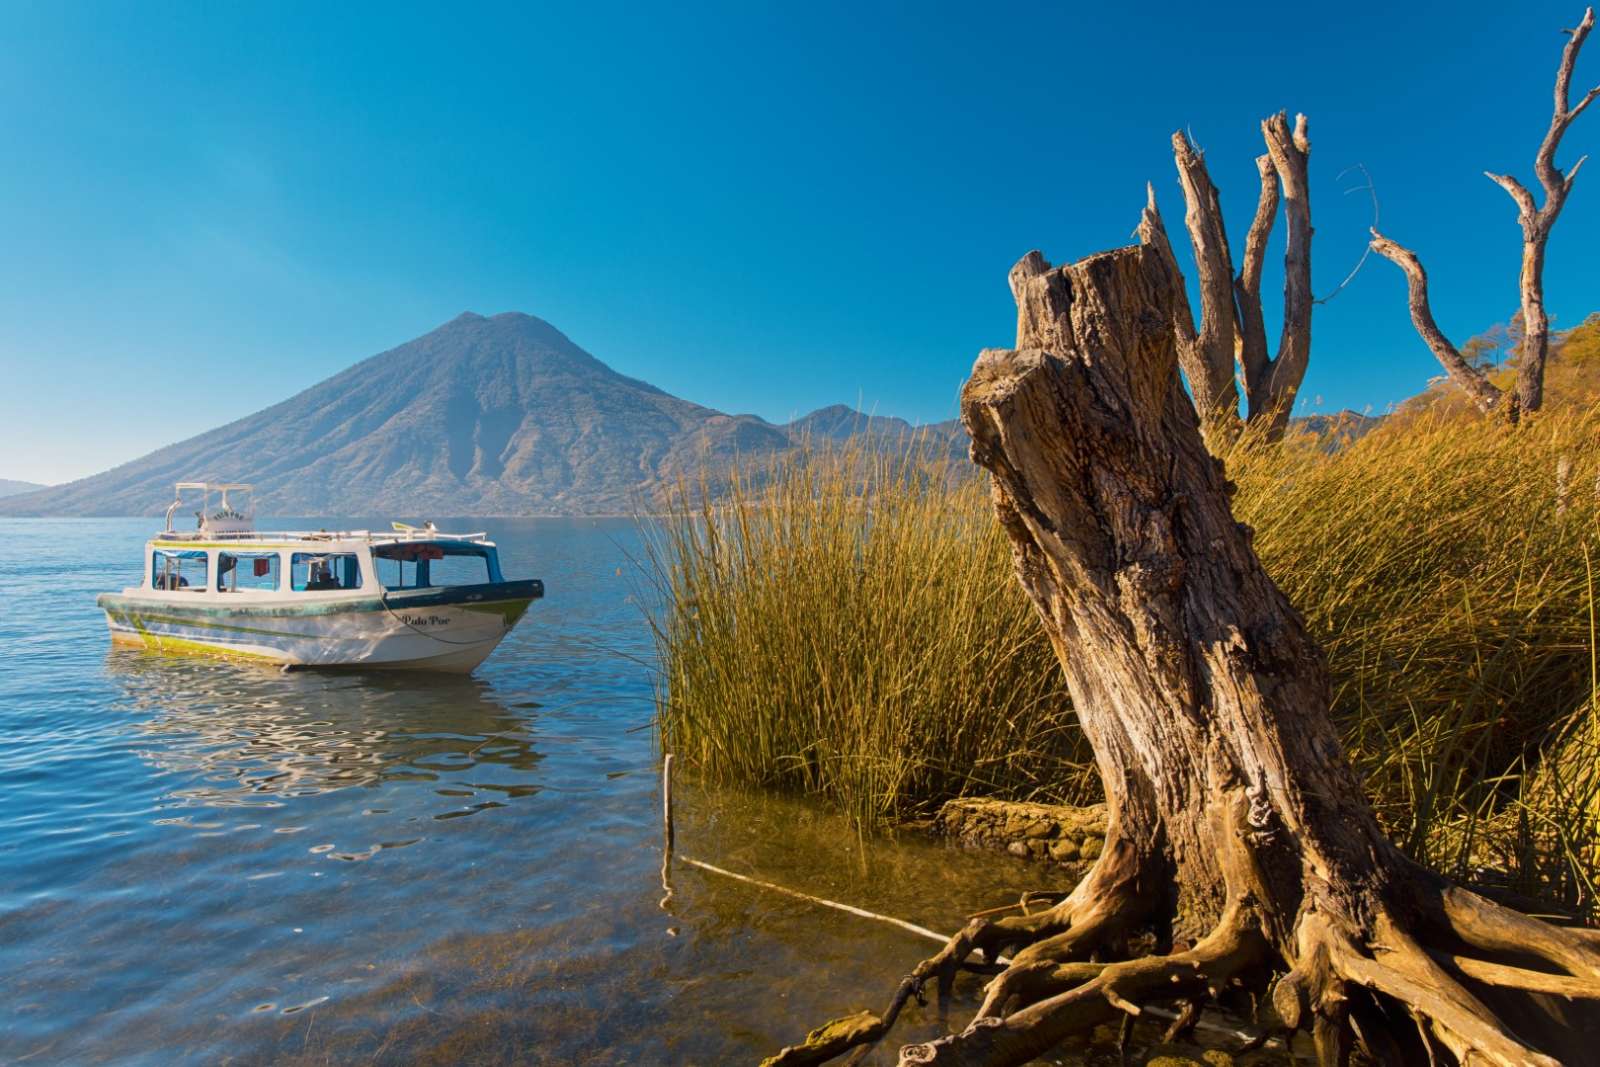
(451, 629)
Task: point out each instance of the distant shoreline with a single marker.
(472, 517)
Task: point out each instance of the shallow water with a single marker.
(219, 863)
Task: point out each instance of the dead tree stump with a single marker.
(1238, 843)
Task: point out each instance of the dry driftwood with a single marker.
(1238, 842)
(1536, 221)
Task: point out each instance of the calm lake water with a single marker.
(203, 862)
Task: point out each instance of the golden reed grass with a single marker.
(844, 623)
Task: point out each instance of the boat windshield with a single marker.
(429, 564)
(174, 570)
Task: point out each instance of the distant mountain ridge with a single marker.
(12, 487)
(500, 415)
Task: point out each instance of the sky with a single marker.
(762, 208)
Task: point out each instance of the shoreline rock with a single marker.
(1054, 833)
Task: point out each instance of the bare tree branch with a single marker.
(1544, 163)
(1518, 192)
(1536, 221)
(1536, 224)
(1588, 98)
(1209, 363)
(1572, 175)
(1254, 359)
(1290, 153)
(1482, 391)
(1232, 330)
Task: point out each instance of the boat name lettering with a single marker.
(425, 620)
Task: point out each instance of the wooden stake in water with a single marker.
(666, 831)
(666, 802)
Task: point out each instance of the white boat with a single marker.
(407, 598)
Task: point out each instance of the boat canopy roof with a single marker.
(401, 534)
(224, 516)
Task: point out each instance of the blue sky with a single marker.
(765, 209)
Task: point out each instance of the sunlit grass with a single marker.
(846, 624)
(843, 623)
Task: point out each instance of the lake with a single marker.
(209, 862)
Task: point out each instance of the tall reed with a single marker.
(846, 623)
(842, 622)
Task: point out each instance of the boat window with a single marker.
(174, 569)
(322, 571)
(247, 570)
(460, 568)
(415, 566)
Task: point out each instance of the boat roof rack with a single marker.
(237, 528)
(370, 536)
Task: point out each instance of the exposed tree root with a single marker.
(1105, 904)
(1347, 984)
(1096, 993)
(1496, 929)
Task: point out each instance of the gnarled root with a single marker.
(1433, 974)
(1343, 987)
(1112, 900)
(1095, 993)
(1486, 983)
(1105, 905)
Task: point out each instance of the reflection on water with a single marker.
(257, 737)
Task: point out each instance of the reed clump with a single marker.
(842, 622)
(845, 623)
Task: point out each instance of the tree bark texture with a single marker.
(1193, 676)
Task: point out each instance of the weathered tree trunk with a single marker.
(1536, 222)
(1238, 839)
(1194, 680)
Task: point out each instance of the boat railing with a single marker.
(369, 536)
